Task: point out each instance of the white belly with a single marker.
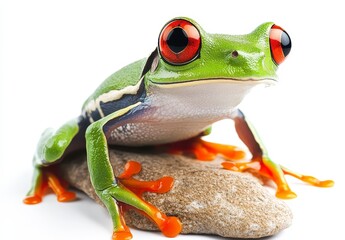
(178, 113)
(143, 134)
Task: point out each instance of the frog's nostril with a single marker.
(234, 54)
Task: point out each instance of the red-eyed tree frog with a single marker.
(190, 81)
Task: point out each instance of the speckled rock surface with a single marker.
(206, 198)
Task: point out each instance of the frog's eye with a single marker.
(280, 44)
(179, 42)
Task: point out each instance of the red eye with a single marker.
(179, 42)
(280, 43)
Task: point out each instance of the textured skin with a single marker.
(216, 61)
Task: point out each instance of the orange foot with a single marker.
(265, 167)
(205, 151)
(169, 226)
(45, 179)
(132, 168)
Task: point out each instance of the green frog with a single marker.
(190, 81)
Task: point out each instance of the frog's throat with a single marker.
(265, 81)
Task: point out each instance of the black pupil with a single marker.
(177, 40)
(285, 43)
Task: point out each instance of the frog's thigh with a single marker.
(51, 147)
(53, 144)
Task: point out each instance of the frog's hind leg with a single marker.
(44, 179)
(63, 195)
(262, 164)
(38, 188)
(52, 146)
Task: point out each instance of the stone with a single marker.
(206, 198)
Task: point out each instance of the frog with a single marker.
(190, 81)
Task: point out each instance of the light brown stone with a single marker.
(206, 198)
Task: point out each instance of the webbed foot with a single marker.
(205, 151)
(132, 168)
(267, 168)
(128, 195)
(44, 179)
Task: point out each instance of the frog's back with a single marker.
(118, 90)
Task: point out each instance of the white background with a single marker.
(55, 53)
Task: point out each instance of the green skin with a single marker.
(252, 66)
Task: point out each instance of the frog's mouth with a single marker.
(250, 81)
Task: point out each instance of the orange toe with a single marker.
(229, 151)
(203, 155)
(285, 194)
(66, 197)
(131, 168)
(230, 166)
(314, 181)
(32, 199)
(326, 183)
(122, 235)
(172, 227)
(164, 184)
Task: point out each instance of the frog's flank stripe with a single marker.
(124, 101)
(96, 114)
(114, 100)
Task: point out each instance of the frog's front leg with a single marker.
(110, 190)
(262, 163)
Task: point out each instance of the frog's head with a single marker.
(188, 56)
